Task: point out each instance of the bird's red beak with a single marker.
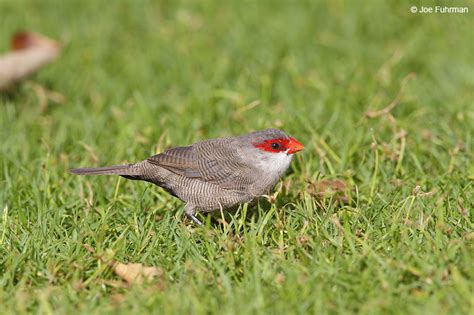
(294, 146)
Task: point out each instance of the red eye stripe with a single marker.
(269, 145)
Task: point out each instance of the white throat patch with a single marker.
(275, 163)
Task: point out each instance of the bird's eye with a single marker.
(275, 146)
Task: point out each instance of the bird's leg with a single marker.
(190, 211)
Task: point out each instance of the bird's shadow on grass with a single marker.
(11, 94)
(253, 212)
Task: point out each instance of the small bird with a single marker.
(214, 174)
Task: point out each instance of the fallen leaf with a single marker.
(469, 236)
(328, 188)
(280, 278)
(136, 273)
(118, 298)
(30, 52)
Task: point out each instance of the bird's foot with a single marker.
(196, 220)
(190, 211)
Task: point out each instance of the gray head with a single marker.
(271, 141)
(267, 134)
(270, 150)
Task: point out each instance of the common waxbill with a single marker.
(216, 173)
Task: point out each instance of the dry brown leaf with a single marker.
(328, 188)
(118, 298)
(30, 52)
(280, 278)
(136, 273)
(469, 236)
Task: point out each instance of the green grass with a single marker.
(144, 74)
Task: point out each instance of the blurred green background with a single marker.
(140, 76)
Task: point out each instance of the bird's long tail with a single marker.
(124, 170)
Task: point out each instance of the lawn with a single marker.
(381, 98)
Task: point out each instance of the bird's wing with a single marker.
(213, 161)
(221, 164)
(179, 160)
